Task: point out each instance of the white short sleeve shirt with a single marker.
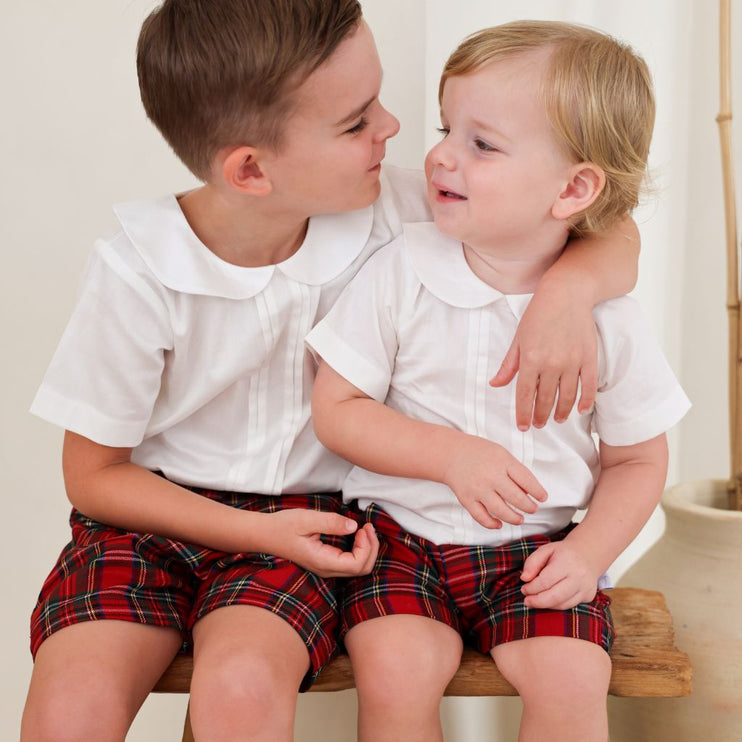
(200, 365)
(418, 330)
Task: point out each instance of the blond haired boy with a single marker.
(199, 489)
(546, 131)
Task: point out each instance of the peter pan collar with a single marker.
(161, 235)
(440, 264)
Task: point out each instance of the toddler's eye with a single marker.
(483, 146)
(359, 127)
(443, 131)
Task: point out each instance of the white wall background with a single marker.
(74, 140)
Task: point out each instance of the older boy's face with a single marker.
(493, 178)
(335, 141)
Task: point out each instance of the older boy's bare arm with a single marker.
(556, 342)
(563, 574)
(105, 485)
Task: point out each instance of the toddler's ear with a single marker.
(585, 183)
(240, 170)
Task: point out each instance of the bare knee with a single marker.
(246, 680)
(403, 661)
(556, 671)
(252, 679)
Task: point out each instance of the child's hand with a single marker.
(297, 537)
(554, 348)
(558, 577)
(491, 483)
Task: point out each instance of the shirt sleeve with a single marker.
(638, 396)
(105, 375)
(358, 337)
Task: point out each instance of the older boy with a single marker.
(546, 132)
(199, 489)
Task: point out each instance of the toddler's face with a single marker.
(494, 177)
(336, 139)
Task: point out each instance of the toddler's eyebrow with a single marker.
(489, 128)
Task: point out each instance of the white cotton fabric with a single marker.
(418, 330)
(200, 365)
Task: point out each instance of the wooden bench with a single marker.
(646, 662)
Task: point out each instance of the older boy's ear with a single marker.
(240, 170)
(584, 185)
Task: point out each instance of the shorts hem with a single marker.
(39, 636)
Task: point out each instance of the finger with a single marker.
(525, 393)
(535, 562)
(567, 395)
(561, 597)
(329, 561)
(547, 578)
(483, 516)
(526, 480)
(553, 591)
(514, 496)
(496, 507)
(588, 385)
(332, 524)
(546, 392)
(365, 550)
(373, 550)
(508, 367)
(337, 563)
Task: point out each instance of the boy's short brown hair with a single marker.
(217, 73)
(598, 96)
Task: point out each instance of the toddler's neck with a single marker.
(509, 274)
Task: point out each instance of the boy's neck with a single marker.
(511, 273)
(237, 232)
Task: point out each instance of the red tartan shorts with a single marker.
(108, 573)
(474, 589)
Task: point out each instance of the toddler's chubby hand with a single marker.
(491, 483)
(296, 533)
(558, 577)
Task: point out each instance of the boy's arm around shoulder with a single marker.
(103, 484)
(555, 344)
(562, 574)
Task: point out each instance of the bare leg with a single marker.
(248, 665)
(564, 686)
(90, 679)
(402, 665)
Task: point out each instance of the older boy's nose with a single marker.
(389, 126)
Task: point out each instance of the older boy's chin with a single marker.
(366, 196)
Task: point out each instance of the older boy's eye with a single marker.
(359, 127)
(443, 131)
(482, 145)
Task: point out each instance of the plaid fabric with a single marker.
(108, 573)
(473, 589)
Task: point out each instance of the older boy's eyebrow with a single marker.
(356, 112)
